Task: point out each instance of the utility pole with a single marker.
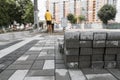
(54, 5)
(36, 23)
(74, 7)
(64, 9)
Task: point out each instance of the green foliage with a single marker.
(107, 12)
(20, 11)
(81, 18)
(71, 18)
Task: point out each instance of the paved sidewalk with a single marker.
(38, 58)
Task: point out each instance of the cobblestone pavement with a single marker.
(38, 58)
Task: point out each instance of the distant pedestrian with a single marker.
(48, 18)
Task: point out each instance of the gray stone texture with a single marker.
(84, 64)
(72, 44)
(72, 65)
(99, 36)
(71, 58)
(71, 36)
(110, 64)
(71, 51)
(85, 58)
(97, 57)
(100, 44)
(86, 35)
(85, 51)
(109, 57)
(113, 36)
(112, 51)
(46, 72)
(86, 44)
(112, 44)
(97, 64)
(98, 51)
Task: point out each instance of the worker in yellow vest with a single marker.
(48, 18)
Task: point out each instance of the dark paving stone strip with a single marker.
(12, 57)
(9, 44)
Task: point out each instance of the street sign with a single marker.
(64, 22)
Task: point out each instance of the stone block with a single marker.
(118, 57)
(86, 35)
(84, 64)
(113, 36)
(97, 64)
(86, 44)
(71, 58)
(85, 51)
(109, 57)
(73, 35)
(72, 44)
(97, 51)
(110, 64)
(71, 51)
(84, 58)
(72, 65)
(100, 36)
(99, 44)
(112, 51)
(97, 57)
(118, 64)
(112, 44)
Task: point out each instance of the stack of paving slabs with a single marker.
(71, 49)
(99, 43)
(92, 49)
(111, 57)
(85, 49)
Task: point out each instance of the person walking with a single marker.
(48, 18)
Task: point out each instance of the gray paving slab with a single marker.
(77, 75)
(99, 44)
(6, 74)
(23, 63)
(38, 65)
(19, 75)
(60, 66)
(85, 51)
(98, 74)
(19, 67)
(110, 64)
(86, 44)
(40, 78)
(45, 72)
(62, 74)
(98, 51)
(115, 72)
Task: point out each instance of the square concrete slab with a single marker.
(45, 72)
(19, 67)
(40, 78)
(18, 75)
(49, 64)
(38, 65)
(77, 75)
(6, 74)
(62, 74)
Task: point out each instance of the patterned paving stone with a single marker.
(23, 63)
(45, 72)
(19, 75)
(38, 65)
(77, 75)
(19, 67)
(62, 74)
(6, 74)
(49, 64)
(40, 78)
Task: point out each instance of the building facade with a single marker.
(88, 8)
